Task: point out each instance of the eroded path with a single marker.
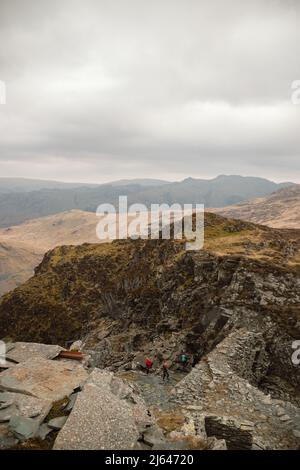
(155, 391)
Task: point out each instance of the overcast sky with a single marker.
(99, 90)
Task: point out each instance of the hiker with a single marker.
(183, 360)
(149, 364)
(165, 370)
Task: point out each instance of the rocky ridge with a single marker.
(233, 307)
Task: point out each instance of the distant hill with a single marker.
(17, 207)
(19, 185)
(17, 261)
(217, 192)
(23, 247)
(145, 182)
(279, 210)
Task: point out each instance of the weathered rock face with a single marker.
(231, 431)
(223, 390)
(233, 307)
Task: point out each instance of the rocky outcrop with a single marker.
(232, 307)
(223, 388)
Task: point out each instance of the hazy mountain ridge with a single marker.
(11, 185)
(16, 208)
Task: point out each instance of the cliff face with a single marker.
(233, 307)
(131, 296)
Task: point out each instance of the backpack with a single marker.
(183, 358)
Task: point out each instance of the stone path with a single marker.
(155, 392)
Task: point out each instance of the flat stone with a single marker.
(43, 378)
(284, 418)
(110, 383)
(57, 423)
(23, 428)
(98, 421)
(25, 405)
(7, 413)
(21, 351)
(107, 415)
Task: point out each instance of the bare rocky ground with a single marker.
(50, 402)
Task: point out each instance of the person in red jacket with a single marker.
(149, 364)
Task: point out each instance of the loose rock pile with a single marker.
(59, 403)
(222, 395)
(97, 409)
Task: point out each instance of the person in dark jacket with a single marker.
(165, 371)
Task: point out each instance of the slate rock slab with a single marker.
(44, 378)
(57, 423)
(98, 421)
(25, 405)
(23, 428)
(7, 413)
(21, 352)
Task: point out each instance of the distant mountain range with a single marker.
(20, 185)
(279, 210)
(23, 246)
(42, 198)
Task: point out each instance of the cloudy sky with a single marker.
(99, 90)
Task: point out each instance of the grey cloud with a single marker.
(104, 89)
